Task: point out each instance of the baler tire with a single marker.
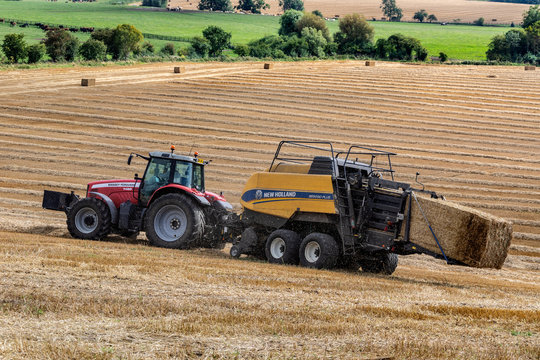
(385, 264)
(319, 251)
(89, 219)
(185, 220)
(282, 247)
(235, 251)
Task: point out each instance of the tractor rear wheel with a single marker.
(174, 221)
(282, 247)
(386, 264)
(89, 219)
(319, 251)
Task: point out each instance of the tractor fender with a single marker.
(107, 200)
(194, 194)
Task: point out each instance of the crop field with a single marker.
(472, 132)
(449, 10)
(464, 42)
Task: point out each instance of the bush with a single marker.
(292, 5)
(443, 57)
(218, 39)
(241, 50)
(431, 18)
(61, 45)
(200, 47)
(253, 6)
(216, 5)
(14, 47)
(355, 35)
(318, 13)
(315, 22)
(531, 16)
(155, 3)
(331, 49)
(93, 50)
(35, 53)
(288, 22)
(106, 36)
(508, 47)
(295, 47)
(168, 49)
(315, 41)
(479, 22)
(400, 47)
(125, 39)
(148, 47)
(267, 47)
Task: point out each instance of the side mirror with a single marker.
(137, 177)
(129, 159)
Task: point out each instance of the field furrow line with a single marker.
(53, 184)
(525, 236)
(6, 190)
(262, 119)
(516, 221)
(413, 94)
(486, 156)
(431, 180)
(88, 153)
(382, 99)
(491, 190)
(333, 98)
(507, 207)
(145, 103)
(457, 195)
(456, 87)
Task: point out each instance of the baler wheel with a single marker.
(89, 219)
(282, 247)
(319, 251)
(386, 264)
(235, 251)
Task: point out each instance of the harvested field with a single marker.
(474, 138)
(461, 10)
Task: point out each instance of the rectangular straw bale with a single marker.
(268, 66)
(530, 67)
(468, 235)
(370, 63)
(88, 82)
(179, 69)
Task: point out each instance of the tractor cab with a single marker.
(166, 170)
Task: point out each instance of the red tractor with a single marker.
(169, 203)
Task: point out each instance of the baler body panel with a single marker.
(284, 194)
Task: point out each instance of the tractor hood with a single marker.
(111, 186)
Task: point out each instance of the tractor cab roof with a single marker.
(169, 155)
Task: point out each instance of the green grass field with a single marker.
(458, 41)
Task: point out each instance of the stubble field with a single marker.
(472, 132)
(445, 10)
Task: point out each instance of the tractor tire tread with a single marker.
(104, 215)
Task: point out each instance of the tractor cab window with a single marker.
(198, 177)
(189, 175)
(182, 173)
(157, 175)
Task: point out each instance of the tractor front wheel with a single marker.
(175, 221)
(89, 219)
